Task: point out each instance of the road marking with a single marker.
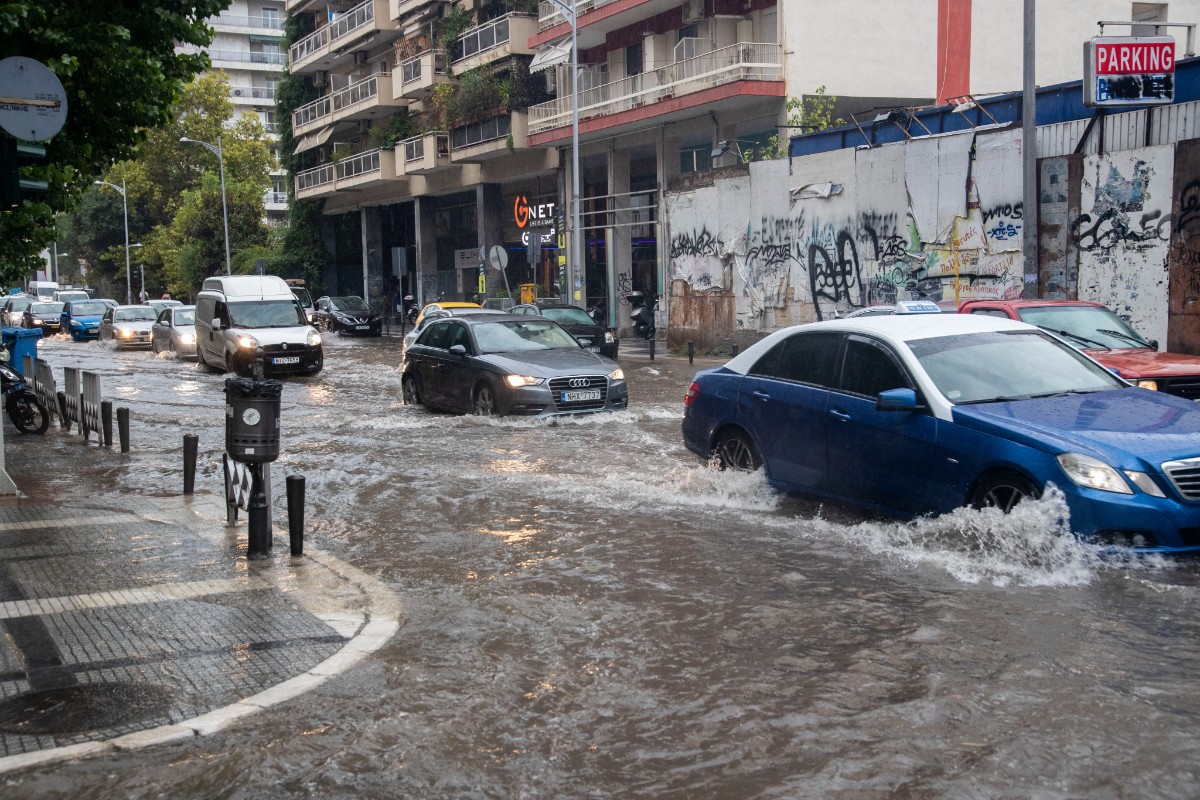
(160, 593)
(66, 522)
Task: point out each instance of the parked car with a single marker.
(348, 315)
(174, 331)
(578, 323)
(922, 414)
(81, 318)
(159, 305)
(492, 363)
(1097, 331)
(46, 316)
(128, 326)
(14, 309)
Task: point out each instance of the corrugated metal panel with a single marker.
(1168, 125)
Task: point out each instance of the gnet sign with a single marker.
(1129, 71)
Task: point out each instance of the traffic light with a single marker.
(14, 186)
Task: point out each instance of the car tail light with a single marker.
(692, 391)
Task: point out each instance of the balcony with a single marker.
(360, 172)
(689, 77)
(494, 41)
(418, 75)
(365, 99)
(421, 155)
(232, 23)
(331, 43)
(275, 201)
(252, 95)
(247, 60)
(402, 8)
(316, 182)
(483, 141)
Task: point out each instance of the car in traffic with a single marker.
(127, 326)
(922, 414)
(81, 318)
(1103, 335)
(174, 331)
(577, 322)
(159, 305)
(507, 364)
(441, 305)
(348, 315)
(14, 309)
(67, 295)
(453, 311)
(45, 316)
(302, 297)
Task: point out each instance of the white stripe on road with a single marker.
(160, 593)
(66, 522)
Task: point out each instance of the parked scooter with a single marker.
(410, 309)
(23, 406)
(599, 312)
(642, 314)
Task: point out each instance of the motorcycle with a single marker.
(23, 406)
(642, 314)
(410, 309)
(599, 313)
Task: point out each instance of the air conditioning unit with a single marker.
(693, 11)
(320, 77)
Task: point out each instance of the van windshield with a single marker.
(266, 314)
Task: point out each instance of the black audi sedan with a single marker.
(577, 322)
(508, 364)
(347, 315)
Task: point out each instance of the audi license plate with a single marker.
(286, 360)
(578, 397)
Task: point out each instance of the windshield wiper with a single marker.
(1066, 392)
(1000, 399)
(1077, 337)
(1137, 342)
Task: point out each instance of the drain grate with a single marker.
(82, 708)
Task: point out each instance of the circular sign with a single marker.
(251, 416)
(33, 103)
(498, 257)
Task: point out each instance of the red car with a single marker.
(1104, 336)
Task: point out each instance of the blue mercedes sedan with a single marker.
(917, 414)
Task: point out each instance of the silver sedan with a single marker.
(174, 331)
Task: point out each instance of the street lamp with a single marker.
(224, 206)
(125, 206)
(56, 276)
(575, 262)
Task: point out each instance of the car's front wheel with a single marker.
(412, 394)
(485, 401)
(735, 450)
(1003, 490)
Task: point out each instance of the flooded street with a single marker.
(589, 612)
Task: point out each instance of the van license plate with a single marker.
(286, 360)
(575, 397)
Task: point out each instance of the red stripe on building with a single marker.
(954, 49)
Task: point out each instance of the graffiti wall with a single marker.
(1183, 322)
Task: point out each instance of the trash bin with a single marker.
(252, 420)
(20, 343)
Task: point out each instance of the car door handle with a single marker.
(842, 415)
(761, 395)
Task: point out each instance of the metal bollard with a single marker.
(651, 349)
(258, 516)
(106, 421)
(83, 426)
(191, 445)
(691, 352)
(123, 428)
(295, 505)
(62, 411)
(735, 350)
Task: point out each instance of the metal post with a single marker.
(1029, 160)
(733, 350)
(260, 532)
(691, 352)
(191, 445)
(83, 426)
(651, 349)
(106, 421)
(295, 506)
(224, 206)
(128, 277)
(62, 411)
(123, 428)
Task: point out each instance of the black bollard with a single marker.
(106, 421)
(735, 350)
(62, 411)
(691, 352)
(258, 516)
(83, 425)
(123, 428)
(651, 349)
(191, 444)
(295, 505)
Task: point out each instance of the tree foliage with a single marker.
(812, 112)
(122, 76)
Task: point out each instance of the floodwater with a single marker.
(589, 612)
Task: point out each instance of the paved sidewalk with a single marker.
(127, 627)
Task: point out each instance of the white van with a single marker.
(238, 315)
(43, 290)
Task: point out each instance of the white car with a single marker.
(128, 326)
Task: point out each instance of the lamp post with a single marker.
(224, 205)
(55, 276)
(575, 262)
(125, 207)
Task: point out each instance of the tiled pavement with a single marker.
(124, 628)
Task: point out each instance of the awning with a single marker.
(311, 140)
(552, 56)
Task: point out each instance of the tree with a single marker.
(192, 247)
(811, 112)
(122, 76)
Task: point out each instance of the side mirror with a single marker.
(458, 350)
(216, 324)
(1153, 344)
(897, 400)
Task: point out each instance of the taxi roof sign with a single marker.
(917, 307)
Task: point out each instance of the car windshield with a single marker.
(266, 314)
(46, 308)
(568, 315)
(1085, 327)
(514, 335)
(349, 305)
(1012, 365)
(19, 305)
(67, 296)
(303, 296)
(134, 314)
(185, 317)
(90, 309)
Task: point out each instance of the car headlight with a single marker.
(126, 333)
(1144, 482)
(314, 339)
(517, 381)
(617, 375)
(1151, 385)
(37, 322)
(247, 342)
(311, 317)
(608, 337)
(187, 338)
(76, 323)
(1093, 473)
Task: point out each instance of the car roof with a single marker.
(1031, 303)
(486, 315)
(893, 328)
(452, 304)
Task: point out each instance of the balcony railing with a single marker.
(353, 20)
(311, 113)
(314, 178)
(481, 39)
(275, 198)
(741, 62)
(331, 105)
(252, 56)
(253, 92)
(317, 40)
(549, 16)
(235, 21)
(480, 132)
(413, 69)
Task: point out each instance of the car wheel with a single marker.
(485, 401)
(1003, 490)
(734, 450)
(412, 394)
